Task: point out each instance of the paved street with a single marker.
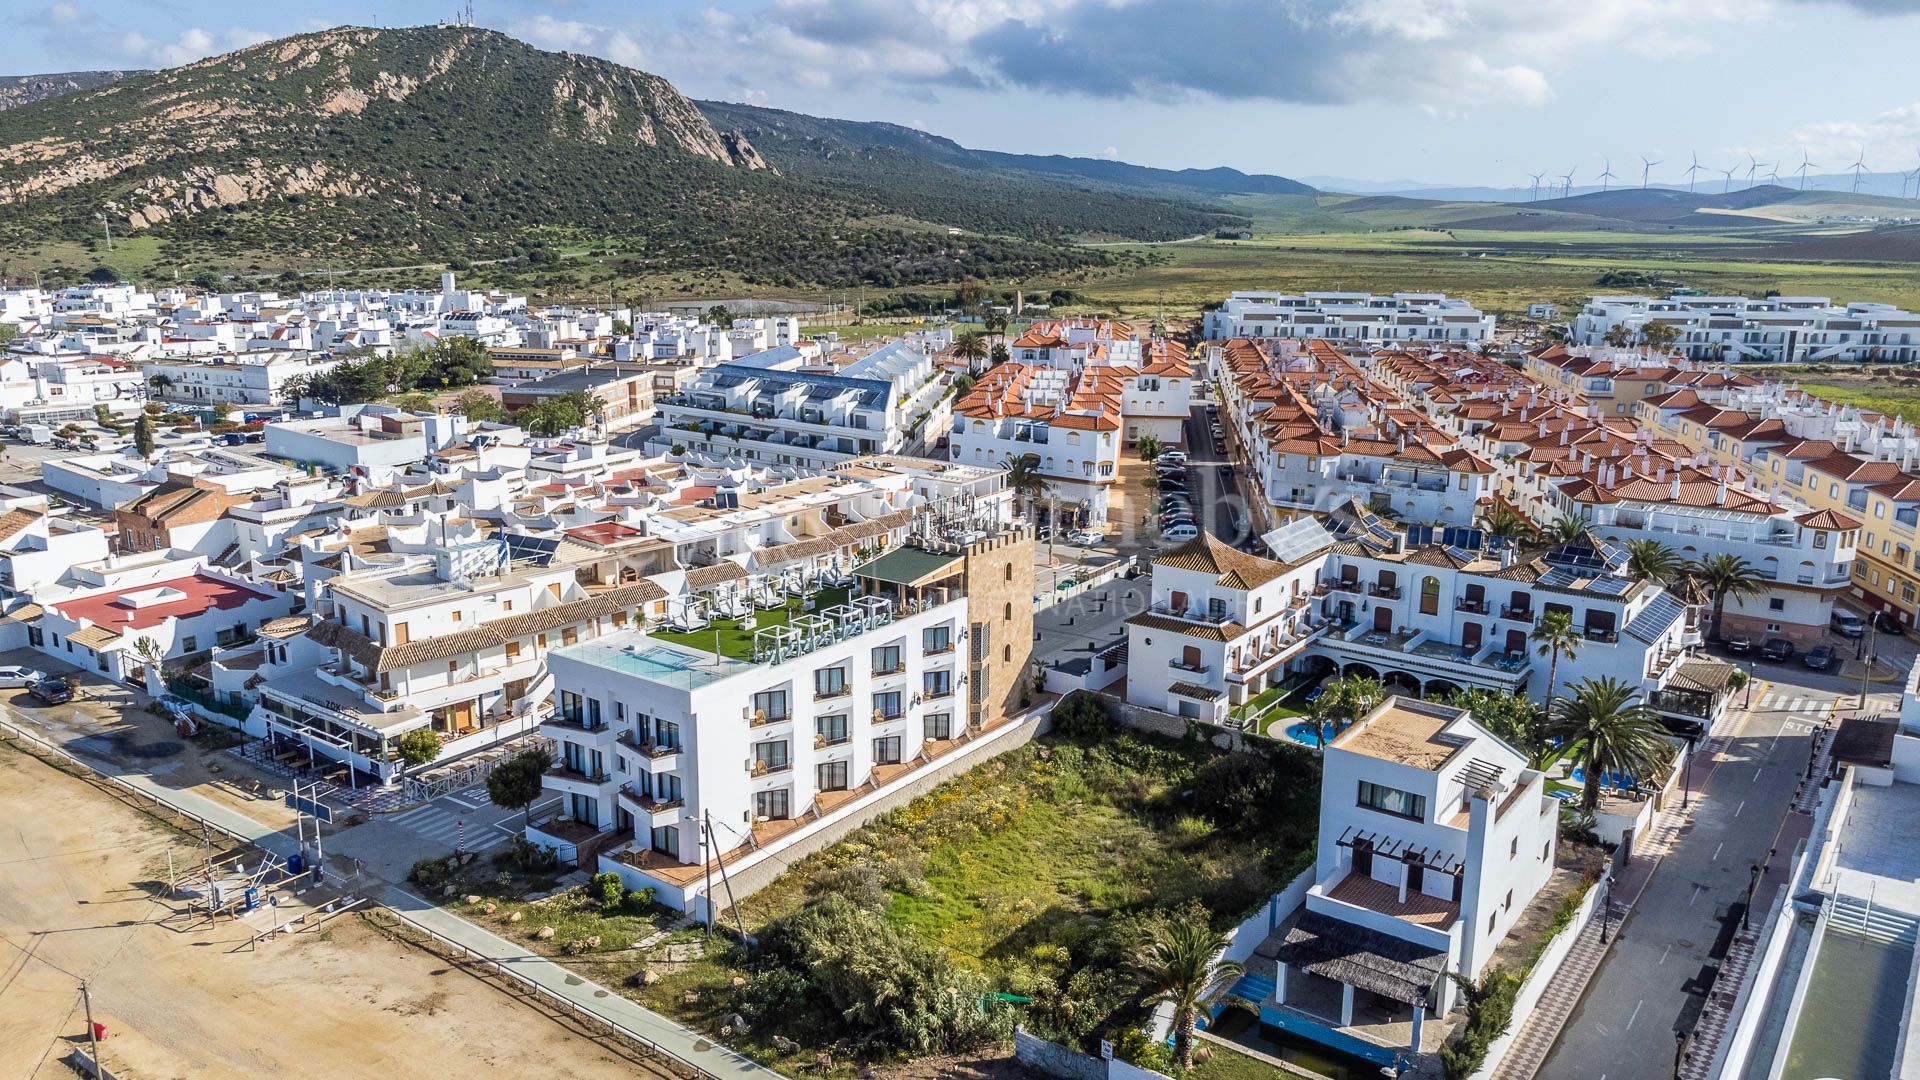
(1217, 495)
(1652, 983)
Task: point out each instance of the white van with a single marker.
(1179, 533)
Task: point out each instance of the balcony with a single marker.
(761, 768)
(1191, 669)
(829, 695)
(768, 720)
(1476, 607)
(647, 747)
(1344, 586)
(650, 804)
(1523, 614)
(1384, 592)
(1192, 615)
(568, 774)
(574, 723)
(943, 650)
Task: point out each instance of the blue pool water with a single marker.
(1302, 733)
(1609, 778)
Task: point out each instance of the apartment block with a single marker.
(1351, 318)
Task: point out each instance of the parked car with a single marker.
(51, 692)
(175, 708)
(1172, 457)
(1085, 537)
(1819, 658)
(1219, 445)
(1777, 649)
(1180, 532)
(1847, 624)
(1739, 644)
(14, 676)
(1888, 623)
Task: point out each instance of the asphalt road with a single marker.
(1219, 503)
(1653, 982)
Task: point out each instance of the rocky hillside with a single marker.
(27, 89)
(376, 147)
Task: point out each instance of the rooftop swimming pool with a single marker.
(1850, 1023)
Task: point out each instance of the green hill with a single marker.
(365, 148)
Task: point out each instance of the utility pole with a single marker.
(1866, 665)
(707, 845)
(86, 997)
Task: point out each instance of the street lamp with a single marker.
(1686, 776)
(1749, 702)
(1606, 911)
(1753, 882)
(1679, 1051)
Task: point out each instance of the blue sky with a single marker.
(1446, 91)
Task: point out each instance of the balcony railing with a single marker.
(652, 804)
(1384, 592)
(1193, 615)
(768, 719)
(1195, 669)
(762, 768)
(1477, 607)
(1524, 614)
(648, 747)
(565, 772)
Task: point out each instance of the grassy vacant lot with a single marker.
(1038, 875)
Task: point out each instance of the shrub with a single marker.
(1134, 1047)
(432, 875)
(529, 857)
(612, 891)
(1082, 717)
(419, 746)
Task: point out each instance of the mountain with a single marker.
(27, 89)
(375, 147)
(793, 138)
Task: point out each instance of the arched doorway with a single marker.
(1399, 682)
(1437, 689)
(1360, 671)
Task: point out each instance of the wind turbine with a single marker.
(1693, 168)
(1859, 166)
(1646, 169)
(1728, 186)
(1773, 176)
(1607, 174)
(1806, 164)
(1566, 184)
(1753, 167)
(1536, 185)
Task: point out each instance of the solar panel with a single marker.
(537, 550)
(1656, 618)
(1462, 554)
(1611, 586)
(1297, 539)
(1419, 535)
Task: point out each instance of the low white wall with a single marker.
(1248, 935)
(1906, 755)
(1545, 970)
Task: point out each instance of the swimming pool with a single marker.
(1302, 732)
(1608, 779)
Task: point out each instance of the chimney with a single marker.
(1674, 496)
(1626, 470)
(1506, 556)
(1720, 497)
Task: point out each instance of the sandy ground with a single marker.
(183, 1003)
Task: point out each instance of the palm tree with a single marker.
(1024, 479)
(1183, 966)
(1346, 700)
(1727, 575)
(1566, 528)
(1651, 560)
(161, 383)
(1555, 636)
(1610, 733)
(1503, 520)
(971, 347)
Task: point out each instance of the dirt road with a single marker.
(79, 876)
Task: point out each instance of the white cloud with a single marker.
(191, 44)
(1888, 141)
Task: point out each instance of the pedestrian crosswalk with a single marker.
(445, 826)
(1778, 701)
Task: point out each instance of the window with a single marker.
(513, 650)
(886, 751)
(770, 706)
(831, 729)
(1513, 848)
(937, 684)
(1776, 604)
(939, 726)
(887, 705)
(569, 706)
(1430, 596)
(772, 805)
(829, 682)
(187, 644)
(830, 776)
(666, 734)
(593, 712)
(886, 660)
(1393, 801)
(1819, 539)
(770, 756)
(400, 634)
(1507, 904)
(666, 840)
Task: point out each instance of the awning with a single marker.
(1389, 966)
(910, 567)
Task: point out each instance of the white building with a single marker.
(779, 407)
(1435, 835)
(258, 377)
(1773, 329)
(1351, 318)
(659, 735)
(363, 438)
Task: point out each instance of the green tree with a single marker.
(1149, 447)
(1556, 637)
(1501, 519)
(718, 315)
(143, 435)
(1183, 967)
(1343, 701)
(161, 383)
(1566, 528)
(1651, 560)
(515, 783)
(1618, 336)
(971, 347)
(418, 747)
(1512, 717)
(8, 331)
(1610, 732)
(480, 407)
(1000, 355)
(1723, 576)
(1024, 479)
(1659, 336)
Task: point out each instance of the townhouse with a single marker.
(1072, 344)
(1069, 422)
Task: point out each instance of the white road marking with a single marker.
(1664, 952)
(1636, 1013)
(1716, 851)
(1737, 809)
(1766, 700)
(1696, 895)
(1757, 772)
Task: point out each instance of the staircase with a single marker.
(1859, 917)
